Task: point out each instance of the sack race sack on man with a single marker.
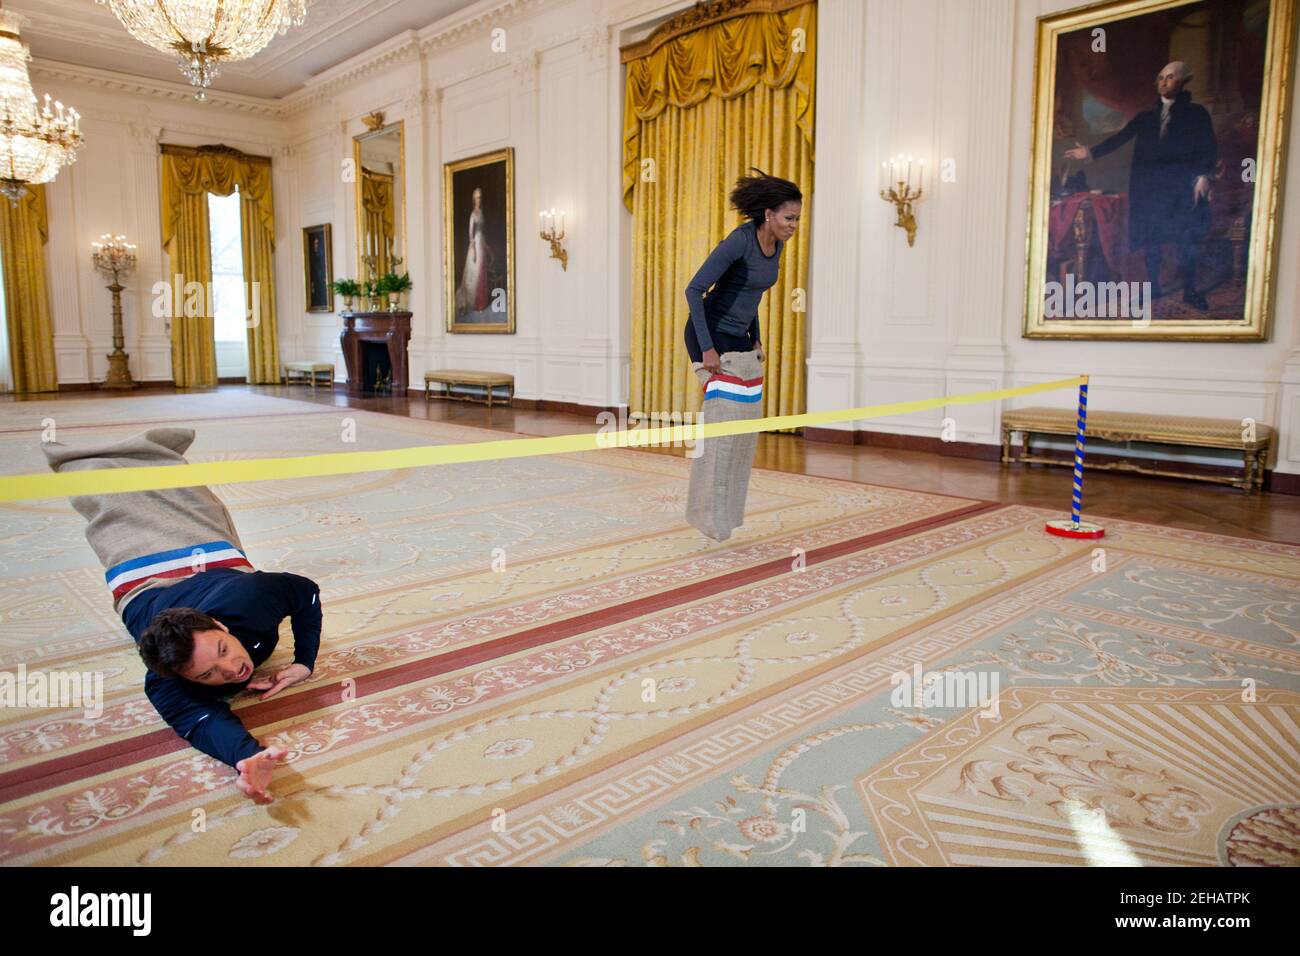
(150, 538)
(715, 502)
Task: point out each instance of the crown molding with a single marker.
(333, 18)
(81, 22)
(453, 29)
(157, 89)
(149, 132)
(404, 47)
(411, 44)
(399, 49)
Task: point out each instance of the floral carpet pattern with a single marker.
(538, 662)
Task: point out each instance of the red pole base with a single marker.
(1065, 528)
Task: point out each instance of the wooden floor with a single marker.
(1194, 505)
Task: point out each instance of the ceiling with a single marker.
(85, 33)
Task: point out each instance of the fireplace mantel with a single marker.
(390, 328)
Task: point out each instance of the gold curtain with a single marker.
(699, 110)
(188, 175)
(257, 226)
(377, 207)
(23, 234)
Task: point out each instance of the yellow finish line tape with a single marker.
(156, 477)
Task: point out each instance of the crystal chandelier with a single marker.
(34, 143)
(207, 32)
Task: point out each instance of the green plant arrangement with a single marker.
(391, 282)
(349, 289)
(393, 285)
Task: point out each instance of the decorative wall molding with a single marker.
(453, 29)
(157, 129)
(157, 89)
(414, 102)
(596, 41)
(401, 49)
(144, 136)
(525, 67)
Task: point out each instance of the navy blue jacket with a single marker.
(251, 605)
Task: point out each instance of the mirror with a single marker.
(381, 201)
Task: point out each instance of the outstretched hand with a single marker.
(1202, 191)
(255, 773)
(284, 678)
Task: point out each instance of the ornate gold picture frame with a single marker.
(318, 267)
(478, 242)
(1156, 169)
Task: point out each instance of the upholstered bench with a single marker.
(309, 372)
(449, 377)
(1131, 426)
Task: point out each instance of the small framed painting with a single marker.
(318, 266)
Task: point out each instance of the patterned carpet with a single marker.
(538, 661)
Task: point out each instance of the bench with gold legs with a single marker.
(1252, 439)
(308, 372)
(449, 377)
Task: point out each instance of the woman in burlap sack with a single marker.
(722, 339)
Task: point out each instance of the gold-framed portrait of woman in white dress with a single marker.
(478, 242)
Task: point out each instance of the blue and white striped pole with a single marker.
(1081, 426)
(1076, 528)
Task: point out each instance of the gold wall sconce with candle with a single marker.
(553, 234)
(902, 180)
(114, 257)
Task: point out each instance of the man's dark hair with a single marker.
(167, 644)
(754, 195)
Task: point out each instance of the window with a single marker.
(229, 304)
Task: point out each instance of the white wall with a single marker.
(554, 95)
(936, 78)
(113, 188)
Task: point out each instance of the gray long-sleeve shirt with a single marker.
(739, 273)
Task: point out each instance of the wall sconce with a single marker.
(551, 235)
(900, 186)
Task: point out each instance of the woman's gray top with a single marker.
(739, 273)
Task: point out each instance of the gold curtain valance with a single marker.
(214, 169)
(753, 42)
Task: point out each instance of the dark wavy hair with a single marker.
(168, 642)
(754, 195)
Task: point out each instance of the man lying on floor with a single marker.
(203, 618)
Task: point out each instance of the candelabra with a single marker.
(394, 260)
(553, 236)
(897, 188)
(372, 264)
(115, 258)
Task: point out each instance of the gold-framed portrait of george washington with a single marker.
(1159, 131)
(478, 242)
